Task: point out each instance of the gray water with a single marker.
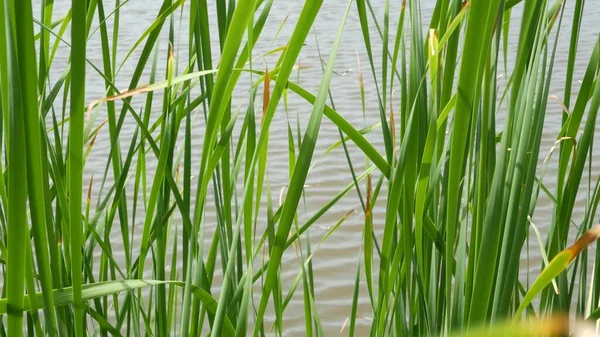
(335, 260)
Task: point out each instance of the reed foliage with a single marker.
(456, 183)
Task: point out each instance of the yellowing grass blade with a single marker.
(151, 87)
(558, 264)
(550, 326)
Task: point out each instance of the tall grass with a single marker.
(458, 179)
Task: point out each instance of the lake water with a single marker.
(335, 260)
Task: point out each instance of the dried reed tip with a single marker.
(266, 94)
(89, 194)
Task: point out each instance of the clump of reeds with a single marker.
(457, 190)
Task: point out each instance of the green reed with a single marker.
(457, 190)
